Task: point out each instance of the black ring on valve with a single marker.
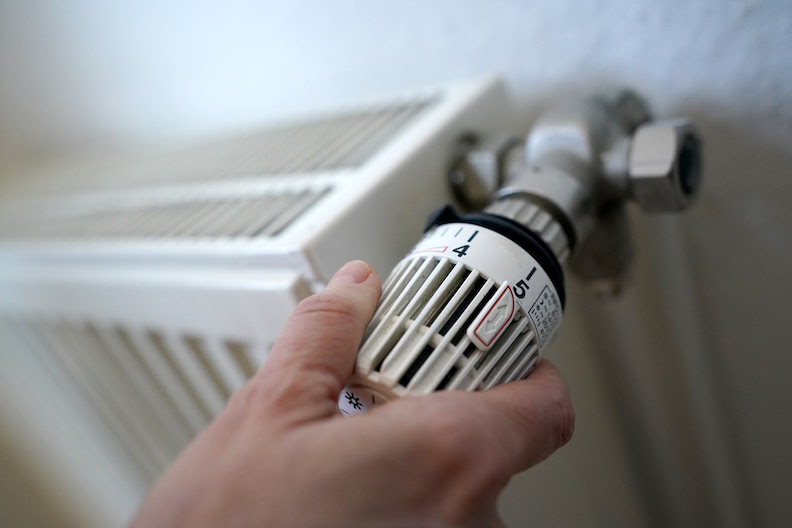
(514, 231)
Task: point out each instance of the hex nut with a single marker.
(480, 171)
(629, 108)
(665, 165)
(469, 185)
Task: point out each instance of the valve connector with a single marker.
(665, 165)
(478, 299)
(481, 168)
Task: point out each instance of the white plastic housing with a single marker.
(466, 309)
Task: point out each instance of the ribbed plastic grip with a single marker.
(467, 309)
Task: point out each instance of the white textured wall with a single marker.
(74, 75)
(82, 71)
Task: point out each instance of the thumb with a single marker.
(314, 356)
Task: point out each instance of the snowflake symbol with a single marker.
(353, 400)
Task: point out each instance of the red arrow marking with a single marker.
(436, 249)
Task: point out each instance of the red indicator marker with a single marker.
(436, 249)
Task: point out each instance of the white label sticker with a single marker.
(354, 400)
(519, 275)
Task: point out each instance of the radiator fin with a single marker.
(343, 141)
(245, 217)
(153, 391)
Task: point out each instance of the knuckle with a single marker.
(563, 420)
(297, 389)
(326, 303)
(280, 395)
(252, 396)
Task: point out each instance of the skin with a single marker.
(281, 455)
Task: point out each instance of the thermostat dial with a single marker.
(472, 306)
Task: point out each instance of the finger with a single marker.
(497, 432)
(314, 356)
(534, 416)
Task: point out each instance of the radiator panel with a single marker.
(154, 287)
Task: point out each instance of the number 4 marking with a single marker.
(461, 250)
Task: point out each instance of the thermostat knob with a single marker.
(473, 305)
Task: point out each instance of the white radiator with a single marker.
(153, 288)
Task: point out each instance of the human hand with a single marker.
(281, 455)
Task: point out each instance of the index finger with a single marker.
(534, 415)
(509, 428)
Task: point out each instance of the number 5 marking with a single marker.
(521, 288)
